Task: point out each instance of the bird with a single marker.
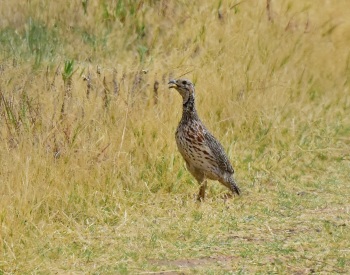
(205, 157)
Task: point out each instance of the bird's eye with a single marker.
(184, 82)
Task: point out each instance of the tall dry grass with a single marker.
(91, 180)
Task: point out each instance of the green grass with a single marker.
(91, 180)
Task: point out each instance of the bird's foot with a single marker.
(227, 196)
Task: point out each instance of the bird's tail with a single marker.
(233, 186)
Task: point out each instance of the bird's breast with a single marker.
(191, 143)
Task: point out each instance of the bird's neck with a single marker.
(189, 109)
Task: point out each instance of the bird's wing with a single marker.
(219, 152)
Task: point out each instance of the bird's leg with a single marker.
(203, 186)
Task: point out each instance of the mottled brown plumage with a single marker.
(204, 155)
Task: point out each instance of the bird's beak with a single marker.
(172, 83)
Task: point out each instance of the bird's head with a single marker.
(184, 87)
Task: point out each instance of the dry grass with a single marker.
(91, 180)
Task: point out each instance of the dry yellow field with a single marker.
(90, 178)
